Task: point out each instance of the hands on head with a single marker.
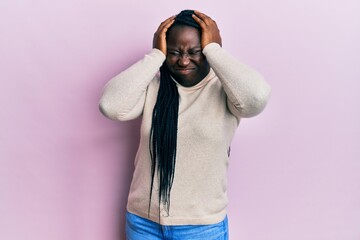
(209, 31)
(159, 40)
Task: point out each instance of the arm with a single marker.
(123, 97)
(246, 90)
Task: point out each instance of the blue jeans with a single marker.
(138, 228)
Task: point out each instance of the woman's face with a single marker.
(184, 58)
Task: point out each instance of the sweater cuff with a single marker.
(211, 47)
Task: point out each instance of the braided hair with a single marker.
(163, 133)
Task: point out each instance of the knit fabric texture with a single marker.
(209, 114)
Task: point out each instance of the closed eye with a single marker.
(195, 52)
(174, 53)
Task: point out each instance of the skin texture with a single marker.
(184, 58)
(186, 64)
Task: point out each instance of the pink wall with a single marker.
(65, 169)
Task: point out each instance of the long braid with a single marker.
(164, 136)
(163, 133)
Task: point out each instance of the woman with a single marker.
(190, 112)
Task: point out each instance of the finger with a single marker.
(165, 22)
(205, 18)
(199, 21)
(200, 14)
(167, 26)
(163, 28)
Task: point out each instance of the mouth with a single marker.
(184, 70)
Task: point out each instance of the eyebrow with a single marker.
(192, 48)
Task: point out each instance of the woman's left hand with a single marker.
(209, 29)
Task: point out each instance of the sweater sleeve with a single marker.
(246, 90)
(123, 96)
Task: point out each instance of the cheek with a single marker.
(201, 62)
(170, 62)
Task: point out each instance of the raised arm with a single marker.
(123, 96)
(246, 89)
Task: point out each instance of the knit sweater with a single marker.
(209, 114)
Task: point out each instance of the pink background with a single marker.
(65, 169)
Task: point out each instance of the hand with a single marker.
(209, 30)
(159, 40)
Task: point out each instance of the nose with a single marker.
(183, 60)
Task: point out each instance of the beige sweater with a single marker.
(209, 114)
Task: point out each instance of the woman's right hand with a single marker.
(159, 40)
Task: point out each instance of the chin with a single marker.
(188, 82)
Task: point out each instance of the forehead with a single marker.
(181, 35)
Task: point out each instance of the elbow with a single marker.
(113, 112)
(108, 109)
(102, 108)
(105, 109)
(257, 103)
(260, 100)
